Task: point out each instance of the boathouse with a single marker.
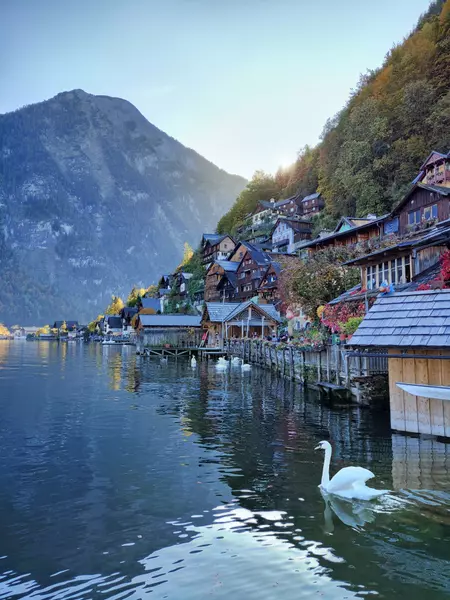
(175, 331)
(238, 320)
(414, 327)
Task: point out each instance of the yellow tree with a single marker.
(188, 253)
(64, 327)
(3, 330)
(115, 306)
(152, 291)
(45, 330)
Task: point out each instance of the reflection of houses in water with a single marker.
(419, 464)
(115, 371)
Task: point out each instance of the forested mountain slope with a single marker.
(372, 149)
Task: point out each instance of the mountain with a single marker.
(373, 148)
(95, 199)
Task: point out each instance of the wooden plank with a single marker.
(396, 399)
(445, 376)
(410, 401)
(423, 404)
(436, 406)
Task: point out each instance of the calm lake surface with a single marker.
(124, 478)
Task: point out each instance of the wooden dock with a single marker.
(198, 351)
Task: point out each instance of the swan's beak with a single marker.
(318, 448)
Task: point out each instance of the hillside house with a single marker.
(178, 331)
(126, 314)
(111, 325)
(149, 306)
(435, 171)
(250, 271)
(421, 207)
(165, 282)
(238, 320)
(288, 233)
(264, 212)
(290, 207)
(312, 204)
(215, 273)
(348, 232)
(69, 325)
(269, 290)
(216, 247)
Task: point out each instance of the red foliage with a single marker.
(423, 286)
(336, 315)
(445, 267)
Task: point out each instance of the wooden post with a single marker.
(423, 404)
(409, 376)
(319, 366)
(337, 352)
(436, 406)
(328, 364)
(291, 366)
(396, 399)
(302, 366)
(445, 375)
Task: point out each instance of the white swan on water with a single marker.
(349, 482)
(193, 362)
(236, 361)
(246, 367)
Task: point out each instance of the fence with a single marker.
(330, 368)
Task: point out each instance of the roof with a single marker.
(227, 265)
(259, 256)
(352, 222)
(163, 291)
(295, 224)
(170, 320)
(69, 324)
(230, 277)
(407, 320)
(219, 312)
(311, 197)
(128, 311)
(439, 155)
(153, 303)
(114, 322)
(212, 238)
(186, 275)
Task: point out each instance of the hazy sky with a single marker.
(246, 83)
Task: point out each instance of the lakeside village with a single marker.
(352, 312)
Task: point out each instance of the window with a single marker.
(242, 275)
(430, 212)
(414, 217)
(394, 271)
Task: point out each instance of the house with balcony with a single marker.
(435, 171)
(287, 233)
(312, 204)
(216, 247)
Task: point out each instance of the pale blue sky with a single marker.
(246, 83)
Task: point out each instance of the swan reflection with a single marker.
(352, 513)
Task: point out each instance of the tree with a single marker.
(151, 291)
(187, 255)
(318, 280)
(115, 306)
(4, 331)
(45, 330)
(64, 327)
(93, 325)
(134, 296)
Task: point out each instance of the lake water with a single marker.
(124, 478)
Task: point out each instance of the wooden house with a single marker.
(312, 204)
(250, 271)
(269, 291)
(348, 232)
(287, 233)
(435, 171)
(401, 263)
(414, 327)
(111, 325)
(69, 325)
(265, 211)
(290, 207)
(165, 282)
(422, 206)
(216, 247)
(238, 320)
(214, 275)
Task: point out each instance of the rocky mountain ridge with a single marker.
(95, 199)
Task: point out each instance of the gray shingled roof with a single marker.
(223, 311)
(407, 319)
(153, 303)
(170, 320)
(227, 265)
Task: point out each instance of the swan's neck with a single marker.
(326, 469)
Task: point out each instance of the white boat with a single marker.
(437, 392)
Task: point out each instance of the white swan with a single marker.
(349, 482)
(236, 361)
(246, 367)
(193, 362)
(221, 366)
(222, 360)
